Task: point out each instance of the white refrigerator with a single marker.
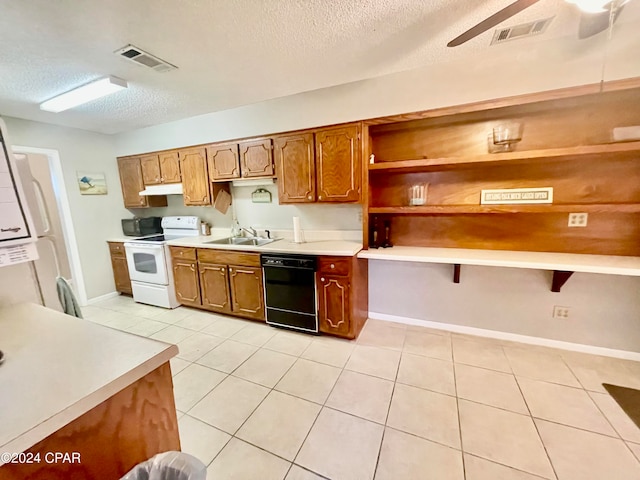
(32, 248)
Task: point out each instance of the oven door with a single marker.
(147, 263)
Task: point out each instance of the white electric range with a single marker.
(149, 262)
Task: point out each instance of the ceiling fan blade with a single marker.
(492, 21)
(594, 23)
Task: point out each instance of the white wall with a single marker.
(95, 217)
(269, 215)
(604, 309)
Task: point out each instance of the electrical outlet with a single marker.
(560, 312)
(578, 219)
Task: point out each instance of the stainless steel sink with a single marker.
(257, 242)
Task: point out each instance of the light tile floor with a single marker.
(401, 402)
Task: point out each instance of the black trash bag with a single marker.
(169, 466)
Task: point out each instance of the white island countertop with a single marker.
(58, 367)
(346, 248)
(607, 264)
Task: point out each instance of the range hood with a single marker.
(168, 189)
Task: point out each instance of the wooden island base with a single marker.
(130, 427)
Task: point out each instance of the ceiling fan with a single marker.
(595, 18)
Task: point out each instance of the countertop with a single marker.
(607, 264)
(317, 247)
(58, 367)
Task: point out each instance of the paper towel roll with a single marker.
(297, 231)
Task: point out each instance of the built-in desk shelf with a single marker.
(562, 264)
(584, 153)
(482, 209)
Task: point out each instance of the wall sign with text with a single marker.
(510, 196)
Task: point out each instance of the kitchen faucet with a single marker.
(252, 231)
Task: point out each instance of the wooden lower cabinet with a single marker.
(187, 282)
(343, 298)
(247, 292)
(333, 302)
(230, 282)
(120, 268)
(214, 285)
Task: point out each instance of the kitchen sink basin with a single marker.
(257, 242)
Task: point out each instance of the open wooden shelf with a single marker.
(588, 152)
(482, 209)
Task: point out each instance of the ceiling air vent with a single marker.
(136, 55)
(520, 31)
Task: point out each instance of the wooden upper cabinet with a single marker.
(224, 161)
(195, 181)
(150, 165)
(246, 291)
(214, 285)
(338, 168)
(256, 158)
(295, 168)
(131, 181)
(169, 167)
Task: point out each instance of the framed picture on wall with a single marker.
(92, 183)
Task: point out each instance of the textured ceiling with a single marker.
(235, 52)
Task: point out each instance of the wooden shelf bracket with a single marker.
(456, 273)
(560, 277)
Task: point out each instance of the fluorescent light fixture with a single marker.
(597, 6)
(86, 93)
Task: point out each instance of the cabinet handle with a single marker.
(322, 279)
(230, 269)
(162, 179)
(310, 197)
(319, 197)
(222, 269)
(333, 266)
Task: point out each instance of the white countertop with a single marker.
(316, 247)
(608, 264)
(58, 367)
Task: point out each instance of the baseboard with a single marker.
(101, 298)
(514, 337)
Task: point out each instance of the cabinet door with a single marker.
(121, 274)
(247, 293)
(185, 278)
(295, 168)
(150, 170)
(131, 181)
(170, 167)
(224, 162)
(195, 181)
(333, 298)
(338, 166)
(214, 285)
(256, 158)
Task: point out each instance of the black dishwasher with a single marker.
(290, 291)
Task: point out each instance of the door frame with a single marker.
(64, 208)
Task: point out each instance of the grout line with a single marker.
(535, 425)
(505, 465)
(386, 418)
(455, 387)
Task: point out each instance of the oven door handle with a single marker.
(143, 247)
